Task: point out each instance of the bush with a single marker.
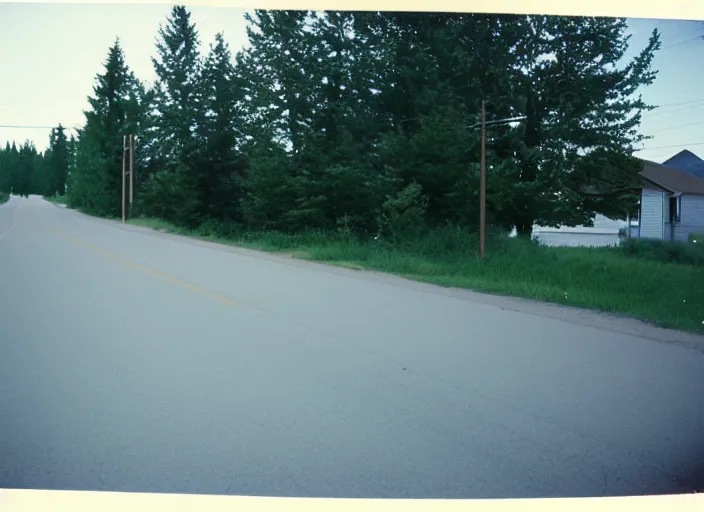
(402, 216)
(659, 250)
(4, 197)
(166, 196)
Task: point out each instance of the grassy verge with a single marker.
(57, 199)
(631, 282)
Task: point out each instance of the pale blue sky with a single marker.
(50, 54)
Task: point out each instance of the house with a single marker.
(672, 201)
(688, 162)
(603, 232)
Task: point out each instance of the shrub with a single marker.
(402, 216)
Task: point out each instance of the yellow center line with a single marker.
(154, 273)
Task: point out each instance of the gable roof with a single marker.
(688, 162)
(671, 179)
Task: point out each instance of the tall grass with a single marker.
(659, 285)
(57, 199)
(690, 253)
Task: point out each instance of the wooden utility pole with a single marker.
(127, 170)
(131, 171)
(124, 177)
(482, 187)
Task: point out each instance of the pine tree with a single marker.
(177, 67)
(26, 163)
(116, 104)
(170, 142)
(58, 163)
(6, 164)
(218, 164)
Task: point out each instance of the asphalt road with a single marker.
(134, 361)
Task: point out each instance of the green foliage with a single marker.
(218, 164)
(169, 195)
(578, 97)
(659, 250)
(366, 123)
(696, 238)
(24, 171)
(95, 181)
(176, 98)
(402, 216)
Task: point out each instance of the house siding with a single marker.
(651, 214)
(692, 215)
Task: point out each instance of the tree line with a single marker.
(24, 170)
(367, 122)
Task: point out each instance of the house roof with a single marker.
(672, 179)
(688, 162)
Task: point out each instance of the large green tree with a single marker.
(116, 111)
(219, 162)
(174, 111)
(57, 163)
(578, 97)
(367, 121)
(177, 66)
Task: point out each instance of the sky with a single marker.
(50, 54)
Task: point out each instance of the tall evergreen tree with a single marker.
(58, 163)
(115, 112)
(6, 166)
(218, 162)
(177, 67)
(171, 187)
(25, 170)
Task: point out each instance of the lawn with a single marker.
(659, 285)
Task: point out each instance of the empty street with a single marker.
(132, 360)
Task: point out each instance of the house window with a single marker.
(675, 208)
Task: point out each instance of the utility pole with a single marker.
(482, 187)
(131, 171)
(124, 177)
(482, 172)
(127, 170)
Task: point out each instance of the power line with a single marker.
(678, 127)
(29, 127)
(698, 38)
(649, 115)
(673, 146)
(680, 103)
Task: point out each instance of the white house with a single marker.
(671, 205)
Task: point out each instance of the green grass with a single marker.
(641, 283)
(57, 199)
(696, 238)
